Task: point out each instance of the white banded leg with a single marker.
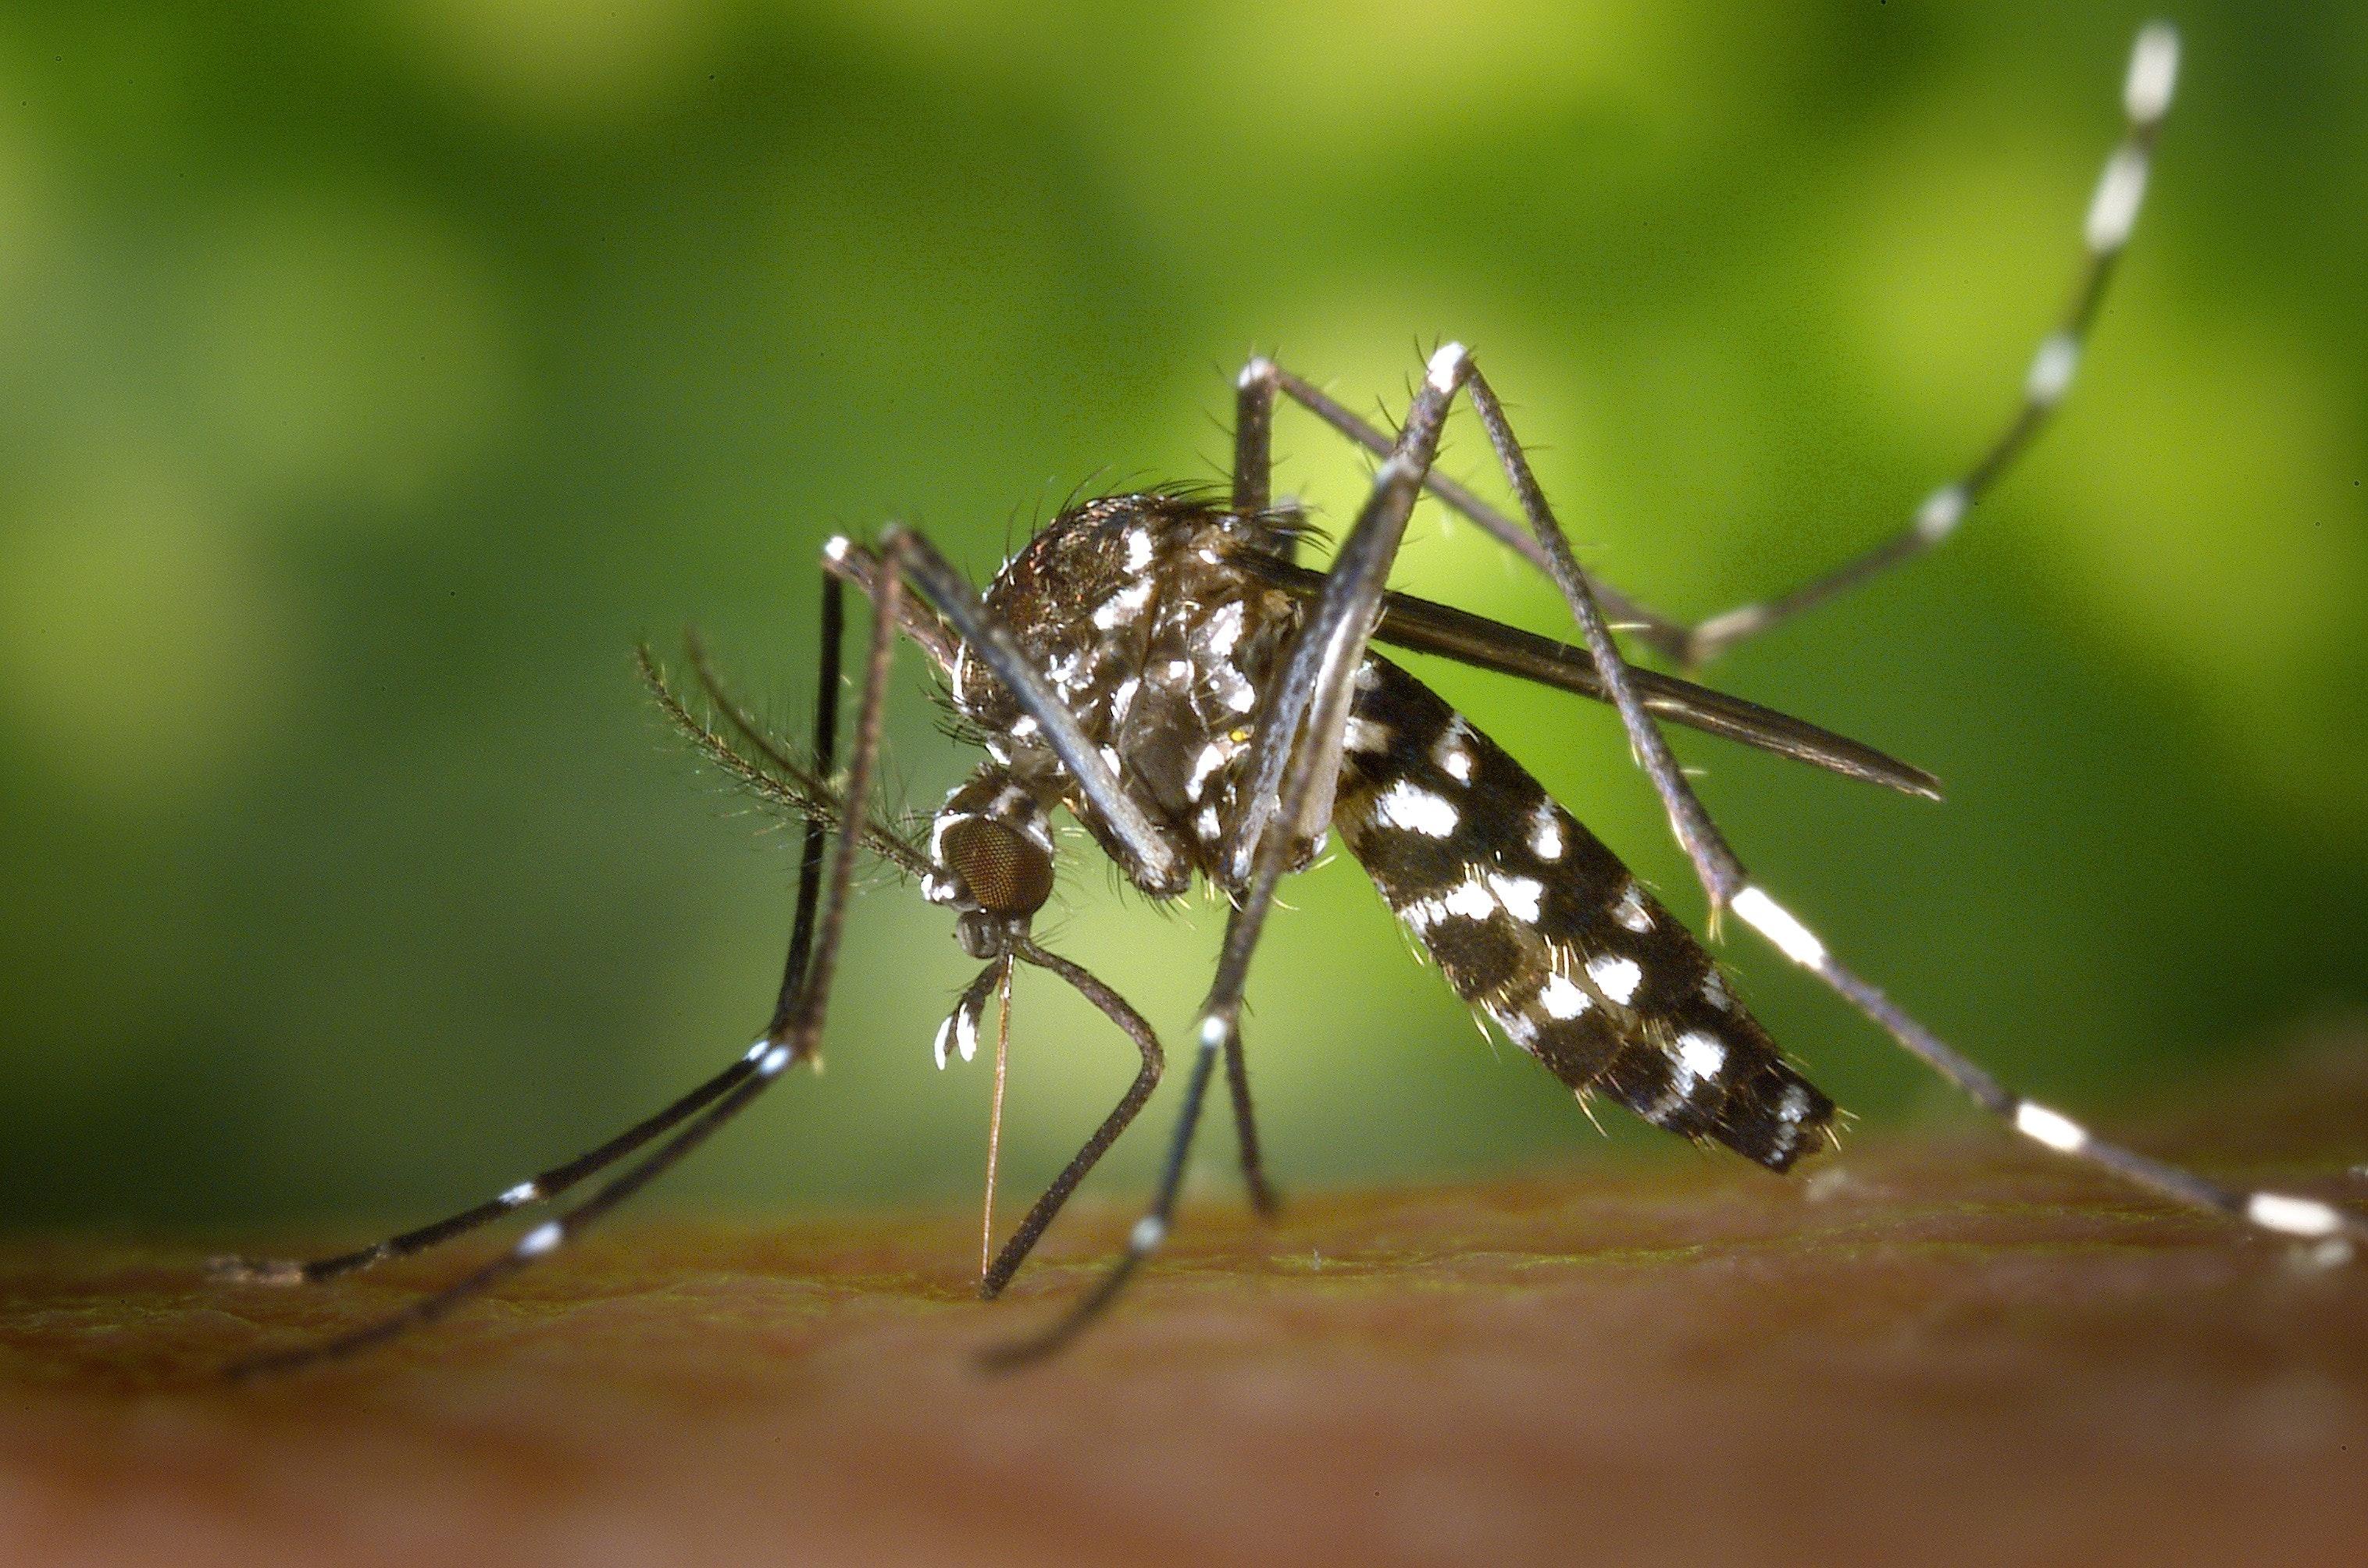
(793, 1038)
(2113, 213)
(2286, 1214)
(541, 1189)
(1728, 885)
(820, 815)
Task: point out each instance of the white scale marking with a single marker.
(522, 1194)
(1700, 1057)
(1124, 605)
(2294, 1216)
(1520, 896)
(1211, 757)
(1617, 978)
(1446, 364)
(1469, 900)
(1561, 999)
(2056, 1130)
(1453, 752)
(1546, 832)
(775, 1059)
(1367, 735)
(1630, 911)
(945, 822)
(540, 1240)
(1224, 629)
(1416, 809)
(1776, 923)
(1942, 512)
(1517, 1028)
(2114, 208)
(2154, 71)
(2052, 369)
(1138, 549)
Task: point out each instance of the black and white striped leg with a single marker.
(1253, 493)
(792, 1039)
(1295, 766)
(1660, 631)
(2113, 213)
(547, 1185)
(2285, 1214)
(1730, 886)
(1032, 1226)
(1714, 863)
(539, 1188)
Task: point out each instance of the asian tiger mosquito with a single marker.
(1158, 665)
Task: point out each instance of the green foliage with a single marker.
(371, 378)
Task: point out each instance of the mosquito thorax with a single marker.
(1160, 645)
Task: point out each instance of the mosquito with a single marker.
(1160, 666)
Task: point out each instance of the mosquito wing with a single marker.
(1431, 628)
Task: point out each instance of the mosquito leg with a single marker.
(1253, 478)
(825, 747)
(550, 1184)
(538, 1242)
(1297, 772)
(1660, 632)
(1149, 1232)
(1715, 864)
(539, 1188)
(1253, 493)
(1114, 1007)
(2284, 1213)
(1263, 1197)
(795, 1040)
(2113, 213)
(1730, 886)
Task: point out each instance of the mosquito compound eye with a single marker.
(1007, 873)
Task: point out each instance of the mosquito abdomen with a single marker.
(1536, 923)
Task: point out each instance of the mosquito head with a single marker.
(991, 859)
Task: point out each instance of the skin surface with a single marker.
(1944, 1347)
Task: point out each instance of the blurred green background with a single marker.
(372, 375)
